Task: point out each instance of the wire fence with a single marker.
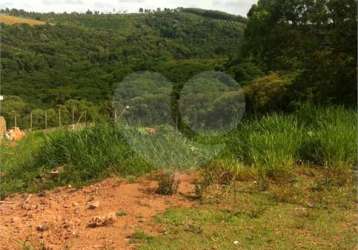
(54, 119)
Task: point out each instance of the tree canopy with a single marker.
(314, 38)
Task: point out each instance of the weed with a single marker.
(121, 213)
(26, 245)
(167, 183)
(140, 236)
(262, 181)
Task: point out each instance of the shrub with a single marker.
(267, 93)
(168, 183)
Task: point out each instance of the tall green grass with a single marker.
(170, 149)
(82, 156)
(312, 135)
(91, 153)
(12, 156)
(330, 136)
(270, 143)
(97, 152)
(274, 143)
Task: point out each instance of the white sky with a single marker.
(231, 6)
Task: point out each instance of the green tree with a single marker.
(14, 108)
(315, 38)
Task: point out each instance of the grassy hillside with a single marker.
(12, 20)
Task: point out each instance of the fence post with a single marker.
(46, 119)
(73, 118)
(59, 117)
(15, 120)
(31, 121)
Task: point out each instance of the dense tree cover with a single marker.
(85, 56)
(315, 40)
(285, 53)
(215, 14)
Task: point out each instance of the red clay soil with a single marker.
(60, 219)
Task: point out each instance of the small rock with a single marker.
(41, 194)
(56, 172)
(66, 225)
(310, 204)
(28, 215)
(93, 205)
(301, 211)
(236, 242)
(26, 206)
(90, 199)
(99, 221)
(14, 220)
(42, 228)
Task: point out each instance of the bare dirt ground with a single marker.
(99, 216)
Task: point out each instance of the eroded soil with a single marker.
(60, 219)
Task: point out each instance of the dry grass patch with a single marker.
(13, 20)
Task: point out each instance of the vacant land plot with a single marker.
(310, 209)
(280, 182)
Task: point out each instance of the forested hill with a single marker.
(81, 56)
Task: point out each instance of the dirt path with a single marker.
(62, 218)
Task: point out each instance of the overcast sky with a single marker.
(232, 6)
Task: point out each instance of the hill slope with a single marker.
(83, 55)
